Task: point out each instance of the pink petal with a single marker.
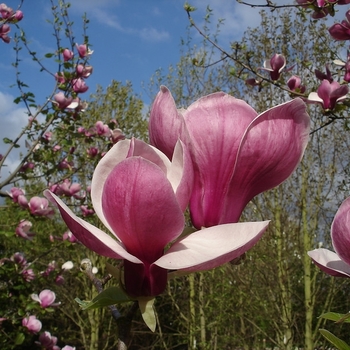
(330, 262)
(119, 152)
(114, 156)
(181, 174)
(216, 124)
(340, 231)
(140, 205)
(166, 123)
(89, 235)
(270, 151)
(212, 247)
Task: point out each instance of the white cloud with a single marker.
(152, 34)
(13, 119)
(146, 33)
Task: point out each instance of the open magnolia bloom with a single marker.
(236, 153)
(140, 197)
(338, 263)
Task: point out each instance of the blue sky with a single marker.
(131, 39)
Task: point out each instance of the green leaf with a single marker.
(336, 317)
(148, 314)
(338, 343)
(19, 339)
(7, 140)
(110, 296)
(49, 55)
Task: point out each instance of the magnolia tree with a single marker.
(171, 207)
(331, 94)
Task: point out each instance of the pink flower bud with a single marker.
(40, 207)
(83, 51)
(28, 275)
(59, 280)
(83, 71)
(67, 55)
(18, 258)
(79, 85)
(23, 230)
(46, 298)
(32, 324)
(47, 341)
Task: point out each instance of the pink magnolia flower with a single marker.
(79, 85)
(4, 30)
(275, 65)
(46, 298)
(294, 84)
(68, 347)
(32, 324)
(117, 135)
(28, 275)
(18, 258)
(236, 153)
(64, 102)
(341, 31)
(83, 50)
(86, 211)
(40, 207)
(66, 188)
(67, 55)
(68, 236)
(102, 129)
(328, 94)
(140, 196)
(59, 280)
(23, 230)
(92, 152)
(338, 263)
(47, 341)
(50, 268)
(83, 71)
(15, 192)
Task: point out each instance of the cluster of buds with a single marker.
(48, 342)
(38, 206)
(329, 93)
(8, 16)
(73, 83)
(322, 8)
(23, 266)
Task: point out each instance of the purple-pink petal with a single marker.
(330, 262)
(165, 119)
(340, 231)
(211, 247)
(270, 151)
(139, 204)
(216, 124)
(89, 235)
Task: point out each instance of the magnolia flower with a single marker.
(341, 31)
(67, 55)
(338, 263)
(47, 341)
(46, 298)
(83, 50)
(79, 85)
(236, 153)
(32, 324)
(28, 275)
(68, 265)
(140, 196)
(66, 188)
(294, 84)
(23, 230)
(102, 129)
(275, 66)
(64, 102)
(4, 30)
(83, 71)
(40, 207)
(328, 94)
